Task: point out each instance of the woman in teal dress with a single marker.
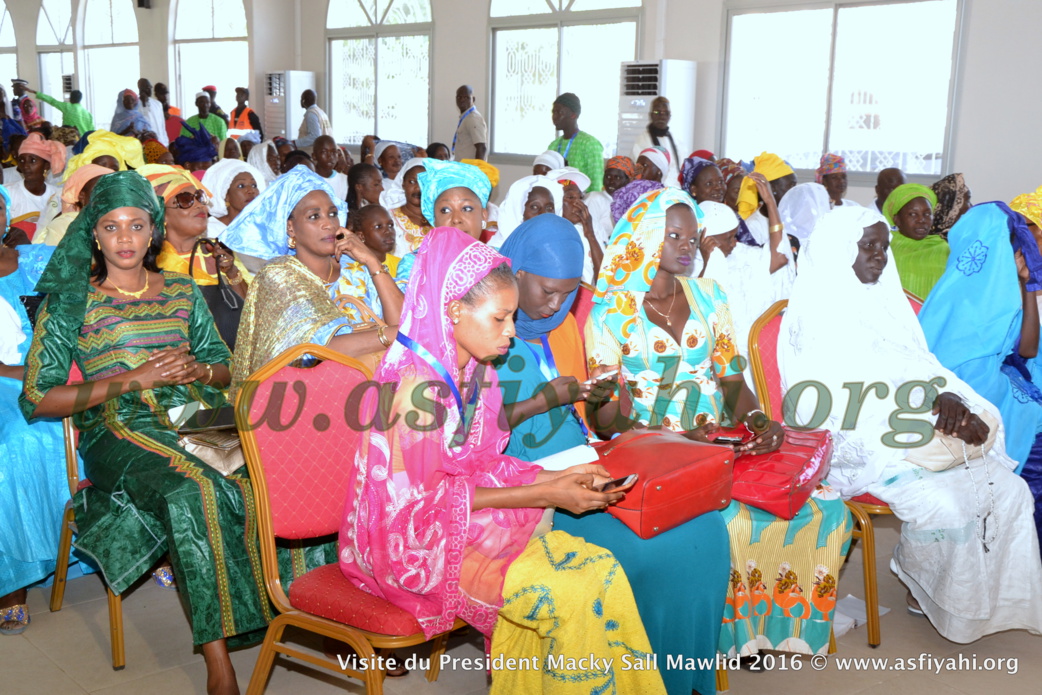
(674, 339)
(145, 342)
(33, 490)
(679, 578)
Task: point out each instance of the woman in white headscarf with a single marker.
(234, 184)
(968, 552)
(656, 164)
(265, 159)
(526, 198)
(547, 161)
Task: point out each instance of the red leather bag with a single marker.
(782, 481)
(678, 479)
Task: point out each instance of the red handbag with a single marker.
(782, 481)
(678, 479)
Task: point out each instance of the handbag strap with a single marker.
(228, 295)
(362, 308)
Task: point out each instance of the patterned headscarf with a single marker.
(773, 168)
(623, 164)
(168, 181)
(439, 176)
(633, 254)
(101, 143)
(197, 148)
(153, 150)
(626, 196)
(66, 135)
(830, 164)
(260, 229)
(952, 193)
(658, 156)
(76, 182)
(53, 152)
(1030, 206)
(729, 169)
(546, 245)
(704, 154)
(692, 167)
(903, 195)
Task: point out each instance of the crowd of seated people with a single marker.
(171, 258)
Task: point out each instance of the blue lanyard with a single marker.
(567, 149)
(456, 134)
(424, 354)
(550, 372)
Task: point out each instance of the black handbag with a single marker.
(225, 305)
(32, 303)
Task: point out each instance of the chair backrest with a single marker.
(916, 303)
(296, 437)
(581, 308)
(763, 359)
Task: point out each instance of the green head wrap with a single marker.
(66, 280)
(903, 195)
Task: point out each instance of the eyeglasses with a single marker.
(659, 113)
(186, 199)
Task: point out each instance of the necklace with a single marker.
(135, 295)
(331, 278)
(669, 312)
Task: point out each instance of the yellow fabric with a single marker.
(392, 265)
(170, 260)
(487, 169)
(1030, 206)
(566, 599)
(168, 181)
(772, 167)
(127, 151)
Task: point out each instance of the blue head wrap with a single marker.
(197, 148)
(692, 167)
(439, 176)
(260, 229)
(546, 245)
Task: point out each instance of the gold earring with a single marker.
(292, 242)
(97, 243)
(455, 321)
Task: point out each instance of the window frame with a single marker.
(858, 179)
(377, 31)
(556, 19)
(48, 48)
(175, 56)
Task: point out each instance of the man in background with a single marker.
(73, 113)
(315, 124)
(214, 108)
(471, 137)
(580, 150)
(152, 110)
(243, 117)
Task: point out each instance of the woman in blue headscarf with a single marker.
(679, 578)
(297, 225)
(981, 321)
(127, 120)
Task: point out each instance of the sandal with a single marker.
(19, 614)
(913, 606)
(164, 578)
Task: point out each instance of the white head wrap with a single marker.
(258, 159)
(202, 94)
(719, 219)
(512, 211)
(660, 158)
(218, 179)
(393, 195)
(802, 207)
(380, 147)
(570, 174)
(551, 159)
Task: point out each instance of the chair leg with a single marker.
(266, 658)
(119, 660)
(437, 649)
(868, 560)
(722, 684)
(61, 567)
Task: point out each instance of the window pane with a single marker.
(352, 86)
(194, 19)
(52, 67)
(124, 22)
(108, 71)
(224, 64)
(8, 66)
(409, 11)
(348, 13)
(602, 4)
(7, 39)
(403, 88)
(524, 87)
(229, 19)
(593, 75)
(54, 24)
(97, 22)
(780, 110)
(512, 8)
(883, 114)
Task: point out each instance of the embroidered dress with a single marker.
(408, 234)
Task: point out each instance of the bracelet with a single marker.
(209, 374)
(777, 228)
(238, 280)
(751, 412)
(384, 340)
(383, 269)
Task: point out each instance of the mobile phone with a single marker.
(617, 483)
(602, 377)
(728, 440)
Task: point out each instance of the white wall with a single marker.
(994, 125)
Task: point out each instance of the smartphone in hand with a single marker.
(617, 484)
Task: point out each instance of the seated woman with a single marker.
(128, 120)
(74, 196)
(105, 149)
(373, 226)
(33, 490)
(265, 159)
(409, 223)
(674, 339)
(543, 377)
(703, 180)
(574, 209)
(364, 186)
(298, 224)
(452, 194)
(981, 321)
(546, 161)
(733, 174)
(34, 202)
(953, 200)
(526, 198)
(762, 191)
(156, 152)
(832, 174)
(965, 527)
(624, 198)
(463, 545)
(229, 149)
(148, 495)
(618, 171)
(234, 184)
(492, 174)
(920, 257)
(654, 164)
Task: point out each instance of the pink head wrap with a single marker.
(831, 164)
(53, 152)
(659, 157)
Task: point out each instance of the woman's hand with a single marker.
(955, 419)
(602, 390)
(703, 433)
(708, 245)
(764, 443)
(167, 367)
(565, 390)
(351, 244)
(575, 493)
(600, 473)
(224, 257)
(1022, 268)
(576, 212)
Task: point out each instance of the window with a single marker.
(8, 47)
(864, 103)
(54, 47)
(211, 48)
(379, 69)
(111, 59)
(541, 48)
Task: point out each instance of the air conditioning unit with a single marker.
(282, 112)
(640, 82)
(68, 83)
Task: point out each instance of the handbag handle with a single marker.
(370, 320)
(228, 295)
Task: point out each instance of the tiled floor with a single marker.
(68, 652)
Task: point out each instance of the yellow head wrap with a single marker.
(487, 169)
(168, 181)
(127, 151)
(772, 167)
(1030, 206)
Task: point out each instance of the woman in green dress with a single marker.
(145, 342)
